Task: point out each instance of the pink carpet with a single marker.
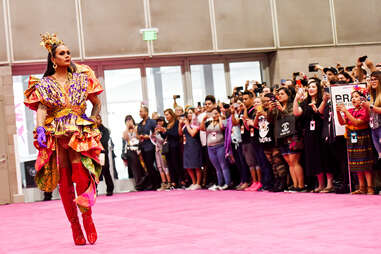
(202, 222)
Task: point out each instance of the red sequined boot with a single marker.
(67, 197)
(78, 237)
(89, 226)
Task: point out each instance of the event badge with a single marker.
(371, 122)
(353, 137)
(312, 125)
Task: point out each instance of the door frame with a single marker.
(5, 193)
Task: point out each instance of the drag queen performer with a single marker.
(68, 142)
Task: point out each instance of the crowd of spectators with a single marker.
(278, 138)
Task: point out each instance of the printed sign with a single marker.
(342, 94)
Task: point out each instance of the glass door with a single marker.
(208, 79)
(123, 95)
(242, 71)
(162, 84)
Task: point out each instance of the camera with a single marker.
(198, 104)
(259, 88)
(363, 58)
(312, 67)
(176, 96)
(296, 74)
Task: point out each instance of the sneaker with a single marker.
(171, 186)
(302, 190)
(258, 187)
(163, 186)
(224, 187)
(197, 187)
(213, 188)
(242, 187)
(190, 187)
(292, 189)
(252, 186)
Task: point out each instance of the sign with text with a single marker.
(342, 94)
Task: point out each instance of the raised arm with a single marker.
(297, 110)
(321, 108)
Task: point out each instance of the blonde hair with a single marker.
(375, 94)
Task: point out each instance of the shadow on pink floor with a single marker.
(202, 222)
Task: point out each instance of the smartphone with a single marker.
(312, 67)
(296, 73)
(198, 104)
(326, 89)
(363, 58)
(349, 68)
(239, 88)
(301, 91)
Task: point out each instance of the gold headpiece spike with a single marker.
(48, 40)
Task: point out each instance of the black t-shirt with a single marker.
(311, 121)
(265, 132)
(248, 135)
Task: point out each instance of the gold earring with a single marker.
(54, 66)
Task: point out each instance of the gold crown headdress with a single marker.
(48, 40)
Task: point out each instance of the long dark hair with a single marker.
(289, 94)
(319, 96)
(375, 94)
(49, 67)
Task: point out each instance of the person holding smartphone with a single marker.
(359, 143)
(216, 150)
(236, 144)
(292, 145)
(192, 156)
(312, 124)
(374, 108)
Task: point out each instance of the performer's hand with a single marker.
(41, 137)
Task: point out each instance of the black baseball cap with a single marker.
(331, 69)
